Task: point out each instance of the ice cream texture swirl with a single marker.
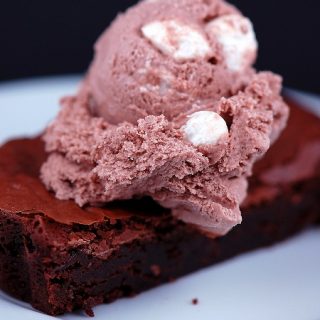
(171, 108)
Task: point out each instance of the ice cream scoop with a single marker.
(171, 108)
(170, 57)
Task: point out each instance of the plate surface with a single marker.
(282, 282)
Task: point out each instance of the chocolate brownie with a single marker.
(60, 258)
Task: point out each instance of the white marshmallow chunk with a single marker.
(205, 128)
(177, 40)
(237, 38)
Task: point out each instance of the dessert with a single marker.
(150, 161)
(60, 257)
(172, 109)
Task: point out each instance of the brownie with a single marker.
(60, 257)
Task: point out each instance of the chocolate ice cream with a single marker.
(171, 108)
(170, 57)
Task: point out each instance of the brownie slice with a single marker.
(60, 258)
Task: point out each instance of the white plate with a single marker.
(282, 282)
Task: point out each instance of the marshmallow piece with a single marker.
(177, 40)
(238, 40)
(205, 128)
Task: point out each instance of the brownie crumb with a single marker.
(195, 301)
(156, 270)
(89, 312)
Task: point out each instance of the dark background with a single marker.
(39, 37)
